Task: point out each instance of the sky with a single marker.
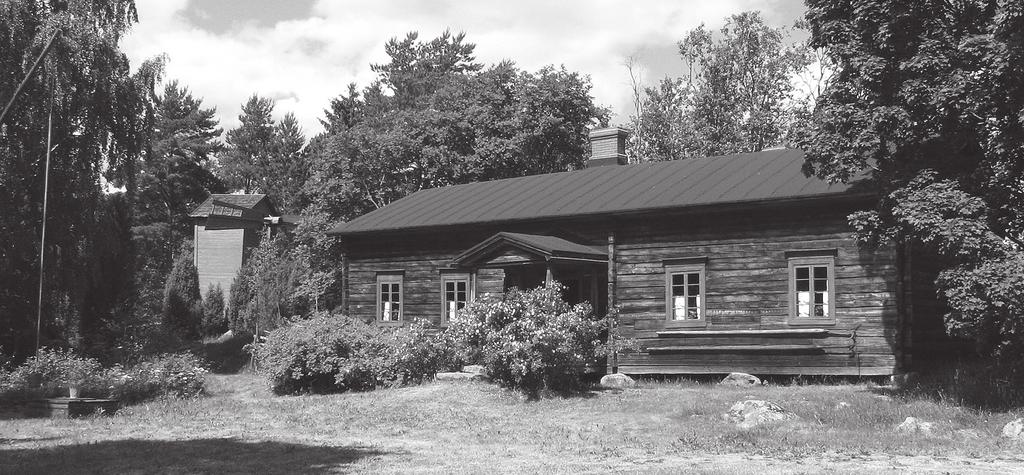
(303, 53)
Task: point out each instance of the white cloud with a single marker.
(304, 63)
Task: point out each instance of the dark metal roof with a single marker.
(241, 201)
(739, 178)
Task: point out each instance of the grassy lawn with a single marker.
(475, 427)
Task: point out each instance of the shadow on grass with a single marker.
(978, 384)
(185, 456)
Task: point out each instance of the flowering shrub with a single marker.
(530, 340)
(179, 375)
(50, 372)
(337, 353)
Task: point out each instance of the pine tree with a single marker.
(214, 318)
(183, 312)
(250, 147)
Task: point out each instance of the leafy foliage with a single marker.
(262, 295)
(927, 97)
(336, 353)
(738, 94)
(50, 372)
(530, 340)
(448, 121)
(99, 120)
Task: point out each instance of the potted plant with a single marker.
(76, 372)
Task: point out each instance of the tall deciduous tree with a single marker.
(928, 96)
(436, 117)
(99, 123)
(737, 95)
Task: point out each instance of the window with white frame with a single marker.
(812, 289)
(684, 293)
(455, 293)
(389, 297)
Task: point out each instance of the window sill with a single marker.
(811, 322)
(390, 323)
(686, 323)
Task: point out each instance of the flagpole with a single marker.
(42, 236)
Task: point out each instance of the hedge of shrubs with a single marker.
(336, 353)
(50, 372)
(528, 340)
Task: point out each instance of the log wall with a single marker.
(747, 290)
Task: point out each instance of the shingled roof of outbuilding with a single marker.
(731, 179)
(243, 201)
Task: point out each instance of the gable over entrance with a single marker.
(507, 249)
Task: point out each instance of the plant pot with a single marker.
(73, 392)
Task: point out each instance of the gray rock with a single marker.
(913, 425)
(741, 379)
(475, 369)
(755, 412)
(617, 381)
(1014, 429)
(902, 380)
(458, 377)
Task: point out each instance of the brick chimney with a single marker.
(607, 147)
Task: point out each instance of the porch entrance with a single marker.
(529, 261)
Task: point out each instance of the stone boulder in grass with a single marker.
(617, 381)
(741, 379)
(755, 412)
(913, 425)
(1014, 430)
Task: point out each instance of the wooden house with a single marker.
(719, 264)
(226, 228)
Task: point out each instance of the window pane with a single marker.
(678, 290)
(819, 297)
(460, 286)
(820, 272)
(693, 290)
(679, 308)
(802, 273)
(693, 278)
(819, 310)
(821, 285)
(678, 279)
(803, 300)
(803, 285)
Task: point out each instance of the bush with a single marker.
(50, 372)
(530, 340)
(176, 375)
(337, 353)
